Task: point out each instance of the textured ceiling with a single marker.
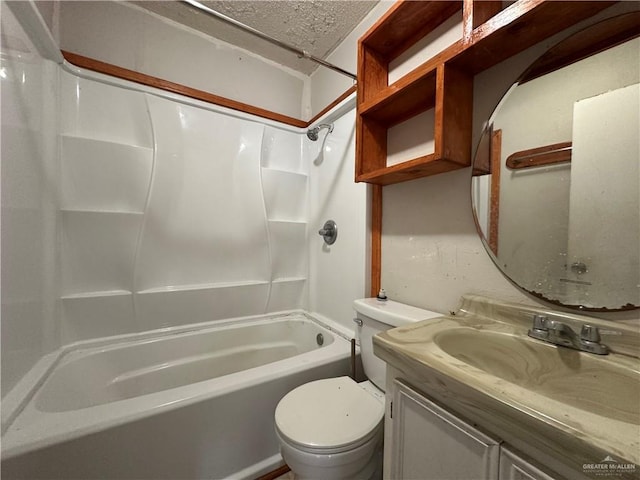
(316, 26)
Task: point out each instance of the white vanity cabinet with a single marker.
(423, 441)
(514, 467)
(429, 442)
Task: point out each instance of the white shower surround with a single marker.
(169, 207)
(92, 207)
(125, 210)
(105, 279)
(32, 307)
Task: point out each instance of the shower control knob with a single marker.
(329, 232)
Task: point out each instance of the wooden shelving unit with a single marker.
(444, 83)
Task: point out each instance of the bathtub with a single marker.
(191, 404)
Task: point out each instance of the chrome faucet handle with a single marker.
(540, 328)
(590, 340)
(540, 323)
(589, 333)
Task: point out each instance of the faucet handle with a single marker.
(589, 333)
(540, 323)
(540, 328)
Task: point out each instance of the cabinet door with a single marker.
(430, 443)
(513, 467)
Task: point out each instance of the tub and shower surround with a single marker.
(174, 212)
(176, 217)
(194, 403)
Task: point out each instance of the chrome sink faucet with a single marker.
(559, 333)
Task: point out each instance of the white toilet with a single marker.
(333, 428)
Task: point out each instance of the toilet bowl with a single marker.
(332, 429)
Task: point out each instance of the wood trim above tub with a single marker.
(349, 91)
(148, 80)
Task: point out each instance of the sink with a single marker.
(580, 380)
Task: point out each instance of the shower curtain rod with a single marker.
(257, 33)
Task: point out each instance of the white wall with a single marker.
(338, 273)
(134, 38)
(431, 252)
(29, 197)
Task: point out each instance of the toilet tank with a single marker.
(374, 316)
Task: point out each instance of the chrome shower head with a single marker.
(312, 133)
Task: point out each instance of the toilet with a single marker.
(332, 429)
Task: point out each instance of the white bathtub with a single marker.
(189, 405)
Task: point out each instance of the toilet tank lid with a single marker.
(392, 313)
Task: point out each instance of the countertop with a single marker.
(554, 432)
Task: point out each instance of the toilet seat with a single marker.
(329, 416)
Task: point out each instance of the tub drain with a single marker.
(320, 339)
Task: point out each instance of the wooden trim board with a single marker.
(273, 475)
(155, 82)
(494, 207)
(348, 92)
(376, 239)
(540, 156)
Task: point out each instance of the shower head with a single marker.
(312, 133)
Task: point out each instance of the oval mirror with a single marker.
(556, 176)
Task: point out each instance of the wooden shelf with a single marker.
(401, 172)
(451, 93)
(405, 23)
(412, 94)
(402, 100)
(520, 26)
(444, 83)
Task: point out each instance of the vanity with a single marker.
(471, 395)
